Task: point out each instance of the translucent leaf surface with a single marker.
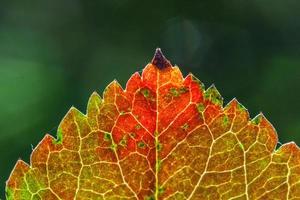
(163, 137)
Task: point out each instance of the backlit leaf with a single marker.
(162, 137)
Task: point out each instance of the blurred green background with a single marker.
(54, 54)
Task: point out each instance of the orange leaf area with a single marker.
(162, 138)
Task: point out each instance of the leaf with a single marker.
(163, 137)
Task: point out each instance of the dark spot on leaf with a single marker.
(159, 60)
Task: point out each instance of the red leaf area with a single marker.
(163, 137)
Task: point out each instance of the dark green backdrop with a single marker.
(54, 54)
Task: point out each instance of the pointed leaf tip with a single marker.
(159, 60)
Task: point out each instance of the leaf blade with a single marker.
(163, 137)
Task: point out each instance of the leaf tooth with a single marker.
(75, 112)
(47, 137)
(93, 109)
(213, 95)
(73, 109)
(195, 79)
(159, 60)
(111, 90)
(257, 119)
(261, 120)
(212, 87)
(117, 84)
(95, 93)
(234, 106)
(95, 98)
(18, 171)
(290, 146)
(231, 105)
(66, 126)
(40, 152)
(235, 101)
(267, 133)
(22, 164)
(133, 82)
